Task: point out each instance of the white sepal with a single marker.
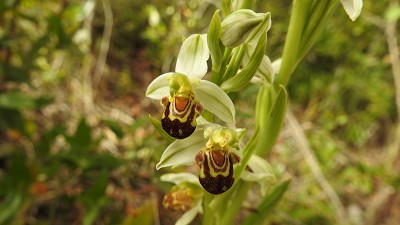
(193, 56)
(353, 8)
(159, 87)
(182, 151)
(215, 100)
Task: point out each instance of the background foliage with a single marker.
(76, 146)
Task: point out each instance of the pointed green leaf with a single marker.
(19, 100)
(193, 56)
(272, 125)
(157, 125)
(10, 206)
(266, 206)
(265, 99)
(183, 151)
(235, 62)
(265, 71)
(241, 79)
(353, 8)
(215, 100)
(159, 87)
(214, 32)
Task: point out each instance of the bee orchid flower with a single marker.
(184, 94)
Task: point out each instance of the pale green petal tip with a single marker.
(353, 8)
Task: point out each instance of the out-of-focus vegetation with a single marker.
(76, 146)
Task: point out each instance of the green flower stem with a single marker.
(248, 151)
(228, 216)
(308, 19)
(216, 77)
(271, 128)
(292, 44)
(208, 213)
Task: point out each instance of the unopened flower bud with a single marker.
(181, 197)
(242, 26)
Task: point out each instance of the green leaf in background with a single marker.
(7, 4)
(82, 138)
(115, 127)
(145, 215)
(10, 205)
(393, 13)
(94, 198)
(13, 73)
(15, 120)
(19, 100)
(18, 175)
(266, 206)
(42, 147)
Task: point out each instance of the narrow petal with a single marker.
(353, 8)
(178, 178)
(193, 56)
(188, 216)
(183, 151)
(159, 87)
(265, 70)
(215, 100)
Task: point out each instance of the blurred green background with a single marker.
(76, 146)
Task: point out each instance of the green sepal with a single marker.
(179, 83)
(266, 205)
(240, 80)
(235, 62)
(157, 125)
(215, 100)
(271, 126)
(213, 41)
(226, 6)
(265, 71)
